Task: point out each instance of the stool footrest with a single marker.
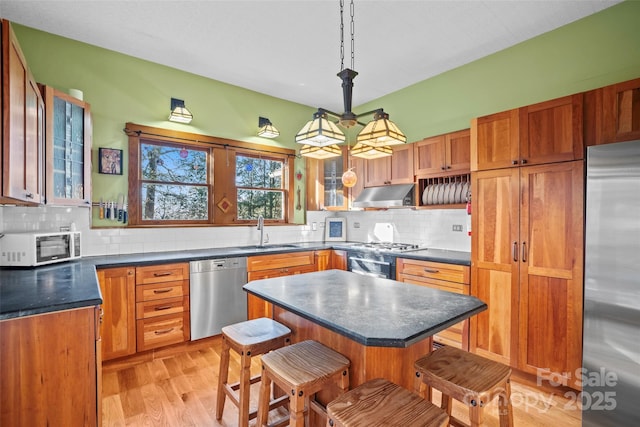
(236, 386)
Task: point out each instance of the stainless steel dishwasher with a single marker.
(217, 298)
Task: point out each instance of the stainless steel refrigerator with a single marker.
(611, 349)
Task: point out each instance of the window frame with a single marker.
(221, 169)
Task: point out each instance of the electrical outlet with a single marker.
(314, 226)
(456, 227)
(356, 225)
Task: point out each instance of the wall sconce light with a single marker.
(266, 129)
(179, 112)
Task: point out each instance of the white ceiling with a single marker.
(291, 49)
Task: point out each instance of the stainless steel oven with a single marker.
(376, 259)
(370, 263)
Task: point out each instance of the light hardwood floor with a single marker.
(180, 390)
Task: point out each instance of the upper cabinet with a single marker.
(394, 169)
(613, 113)
(22, 131)
(68, 149)
(546, 132)
(443, 154)
(324, 182)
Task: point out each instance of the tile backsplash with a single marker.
(431, 228)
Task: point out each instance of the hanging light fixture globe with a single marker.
(349, 178)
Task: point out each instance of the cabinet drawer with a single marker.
(271, 262)
(163, 330)
(148, 309)
(155, 291)
(433, 270)
(162, 273)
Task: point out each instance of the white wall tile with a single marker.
(431, 228)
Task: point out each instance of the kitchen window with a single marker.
(178, 179)
(260, 189)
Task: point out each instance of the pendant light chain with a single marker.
(353, 30)
(341, 35)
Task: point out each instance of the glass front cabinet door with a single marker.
(68, 149)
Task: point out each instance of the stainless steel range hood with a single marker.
(386, 196)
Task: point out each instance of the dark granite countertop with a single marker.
(368, 310)
(29, 291)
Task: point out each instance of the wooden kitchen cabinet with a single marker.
(443, 155)
(162, 305)
(67, 149)
(23, 116)
(275, 265)
(547, 132)
(324, 182)
(612, 113)
(394, 169)
(50, 369)
(118, 328)
(328, 259)
(527, 259)
(446, 277)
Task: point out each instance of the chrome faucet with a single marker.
(261, 228)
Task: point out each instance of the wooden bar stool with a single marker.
(250, 338)
(380, 402)
(468, 378)
(301, 370)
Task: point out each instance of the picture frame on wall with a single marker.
(110, 161)
(335, 230)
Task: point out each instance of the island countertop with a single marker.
(369, 310)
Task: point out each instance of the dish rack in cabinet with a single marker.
(448, 190)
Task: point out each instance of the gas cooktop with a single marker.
(387, 246)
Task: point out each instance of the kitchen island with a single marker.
(381, 325)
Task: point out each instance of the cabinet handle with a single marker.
(524, 251)
(523, 161)
(430, 270)
(162, 291)
(29, 195)
(443, 167)
(163, 307)
(515, 251)
(164, 331)
(164, 273)
(514, 162)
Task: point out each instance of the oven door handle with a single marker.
(369, 260)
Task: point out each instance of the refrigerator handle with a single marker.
(524, 251)
(515, 251)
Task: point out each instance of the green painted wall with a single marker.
(124, 89)
(596, 51)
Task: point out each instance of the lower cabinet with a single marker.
(50, 369)
(143, 308)
(162, 305)
(276, 265)
(118, 328)
(446, 277)
(328, 259)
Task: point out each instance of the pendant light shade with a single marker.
(381, 132)
(316, 152)
(179, 112)
(365, 151)
(320, 132)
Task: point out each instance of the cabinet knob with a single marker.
(29, 195)
(523, 161)
(514, 162)
(443, 167)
